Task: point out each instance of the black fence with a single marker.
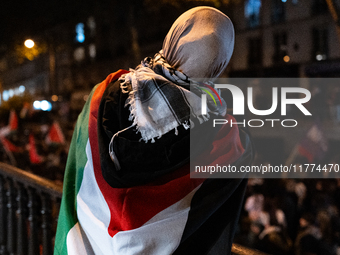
(29, 207)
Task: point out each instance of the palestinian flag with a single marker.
(171, 215)
(314, 145)
(9, 146)
(13, 121)
(55, 134)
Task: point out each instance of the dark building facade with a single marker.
(285, 38)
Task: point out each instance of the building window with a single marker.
(92, 50)
(278, 11)
(280, 48)
(252, 12)
(319, 7)
(254, 52)
(80, 33)
(79, 54)
(320, 44)
(91, 24)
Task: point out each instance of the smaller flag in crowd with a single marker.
(55, 134)
(35, 158)
(9, 146)
(13, 121)
(314, 145)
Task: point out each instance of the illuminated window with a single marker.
(80, 33)
(91, 25)
(79, 54)
(92, 50)
(252, 12)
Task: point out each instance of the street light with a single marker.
(30, 51)
(29, 43)
(33, 49)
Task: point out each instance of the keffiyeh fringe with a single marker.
(162, 98)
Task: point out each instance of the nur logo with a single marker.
(204, 97)
(239, 101)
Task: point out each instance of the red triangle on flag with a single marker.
(305, 153)
(13, 121)
(10, 146)
(55, 135)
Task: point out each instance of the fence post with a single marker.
(3, 211)
(10, 218)
(33, 247)
(21, 224)
(46, 225)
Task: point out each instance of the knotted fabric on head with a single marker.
(163, 94)
(200, 42)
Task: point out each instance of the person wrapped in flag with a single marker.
(127, 185)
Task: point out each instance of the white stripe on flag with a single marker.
(92, 209)
(77, 242)
(160, 235)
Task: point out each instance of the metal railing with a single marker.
(29, 207)
(241, 250)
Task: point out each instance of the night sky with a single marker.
(25, 18)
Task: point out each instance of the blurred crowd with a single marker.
(36, 141)
(291, 216)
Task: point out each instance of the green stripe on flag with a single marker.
(74, 171)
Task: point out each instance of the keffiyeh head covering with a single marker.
(163, 94)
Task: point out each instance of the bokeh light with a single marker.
(29, 43)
